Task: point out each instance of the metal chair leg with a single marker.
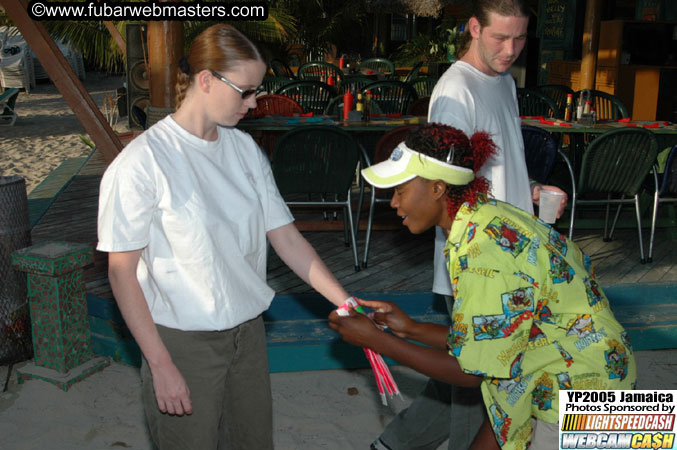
(349, 215)
(618, 213)
(654, 215)
(370, 221)
(605, 238)
(639, 230)
(573, 216)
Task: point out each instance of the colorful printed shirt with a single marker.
(530, 317)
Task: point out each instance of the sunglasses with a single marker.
(245, 93)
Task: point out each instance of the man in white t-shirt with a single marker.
(475, 94)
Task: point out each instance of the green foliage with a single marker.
(436, 46)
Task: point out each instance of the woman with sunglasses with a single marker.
(184, 213)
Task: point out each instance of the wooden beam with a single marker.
(593, 14)
(64, 79)
(117, 37)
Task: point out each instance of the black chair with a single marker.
(616, 164)
(381, 65)
(557, 92)
(312, 95)
(540, 153)
(384, 148)
(535, 103)
(319, 70)
(392, 97)
(423, 86)
(607, 106)
(273, 84)
(353, 83)
(281, 69)
(413, 73)
(667, 192)
(315, 166)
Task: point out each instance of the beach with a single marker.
(328, 409)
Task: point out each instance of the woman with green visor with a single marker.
(529, 317)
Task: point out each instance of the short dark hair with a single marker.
(481, 10)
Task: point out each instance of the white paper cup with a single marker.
(548, 205)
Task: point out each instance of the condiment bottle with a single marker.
(342, 62)
(569, 111)
(347, 104)
(586, 107)
(359, 106)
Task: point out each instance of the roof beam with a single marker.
(64, 79)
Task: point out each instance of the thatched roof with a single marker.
(425, 8)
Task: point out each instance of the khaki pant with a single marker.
(227, 374)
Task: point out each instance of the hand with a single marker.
(356, 329)
(171, 391)
(390, 314)
(536, 195)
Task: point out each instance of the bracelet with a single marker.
(350, 303)
(532, 182)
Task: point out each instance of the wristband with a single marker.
(532, 182)
(350, 303)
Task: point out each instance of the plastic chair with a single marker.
(353, 83)
(607, 106)
(667, 192)
(319, 161)
(392, 97)
(413, 73)
(423, 86)
(535, 103)
(540, 153)
(7, 101)
(384, 148)
(381, 65)
(419, 107)
(270, 104)
(557, 92)
(272, 84)
(281, 69)
(616, 163)
(312, 95)
(319, 70)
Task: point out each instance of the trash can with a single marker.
(15, 233)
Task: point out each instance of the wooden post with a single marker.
(165, 48)
(64, 79)
(593, 13)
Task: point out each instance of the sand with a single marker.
(46, 132)
(334, 409)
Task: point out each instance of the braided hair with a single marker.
(451, 145)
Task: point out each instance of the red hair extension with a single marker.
(479, 185)
(483, 148)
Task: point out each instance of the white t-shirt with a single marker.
(471, 101)
(200, 211)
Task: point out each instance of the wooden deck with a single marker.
(398, 262)
(400, 269)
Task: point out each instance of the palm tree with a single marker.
(100, 48)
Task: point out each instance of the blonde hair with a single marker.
(220, 47)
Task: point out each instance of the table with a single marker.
(367, 133)
(666, 134)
